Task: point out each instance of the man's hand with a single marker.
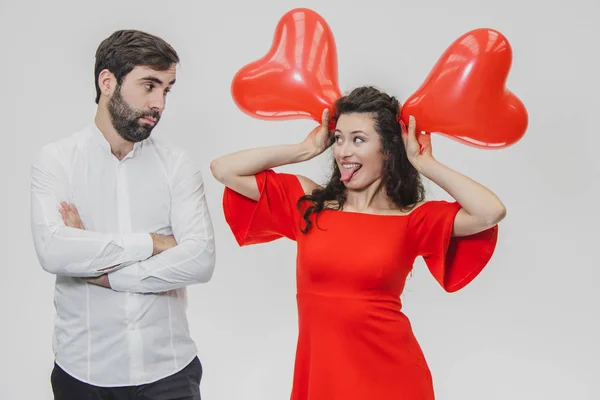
(101, 280)
(70, 215)
(71, 218)
(161, 243)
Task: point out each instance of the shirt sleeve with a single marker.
(453, 261)
(275, 215)
(67, 251)
(193, 259)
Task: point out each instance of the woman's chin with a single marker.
(353, 184)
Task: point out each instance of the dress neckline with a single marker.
(378, 215)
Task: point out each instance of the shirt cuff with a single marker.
(137, 246)
(126, 279)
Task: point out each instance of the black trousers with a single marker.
(184, 385)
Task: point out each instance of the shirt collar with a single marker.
(99, 138)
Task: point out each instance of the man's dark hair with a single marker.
(124, 50)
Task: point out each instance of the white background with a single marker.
(527, 328)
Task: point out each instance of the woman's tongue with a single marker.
(348, 171)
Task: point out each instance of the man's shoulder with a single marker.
(176, 158)
(167, 147)
(169, 152)
(60, 148)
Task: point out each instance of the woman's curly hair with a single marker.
(401, 180)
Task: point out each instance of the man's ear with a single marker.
(107, 82)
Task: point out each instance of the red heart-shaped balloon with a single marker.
(297, 78)
(465, 96)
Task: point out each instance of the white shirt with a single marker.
(137, 332)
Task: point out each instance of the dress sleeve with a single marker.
(453, 261)
(273, 216)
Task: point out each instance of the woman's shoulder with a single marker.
(428, 208)
(294, 185)
(307, 184)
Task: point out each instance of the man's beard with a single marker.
(126, 119)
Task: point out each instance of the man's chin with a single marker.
(137, 138)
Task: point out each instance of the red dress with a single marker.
(353, 340)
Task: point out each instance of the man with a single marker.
(121, 219)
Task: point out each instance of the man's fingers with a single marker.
(64, 214)
(65, 207)
(69, 214)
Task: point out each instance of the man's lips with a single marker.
(149, 120)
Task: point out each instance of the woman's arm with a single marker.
(481, 208)
(237, 170)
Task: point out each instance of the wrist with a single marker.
(306, 151)
(425, 165)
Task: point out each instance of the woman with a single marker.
(357, 239)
